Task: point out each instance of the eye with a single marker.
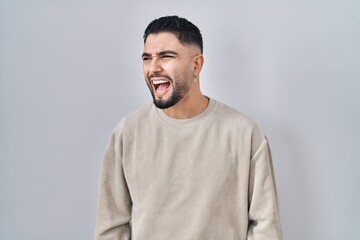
(146, 58)
(166, 57)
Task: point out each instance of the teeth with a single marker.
(159, 81)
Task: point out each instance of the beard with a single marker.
(180, 88)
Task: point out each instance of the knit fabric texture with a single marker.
(205, 178)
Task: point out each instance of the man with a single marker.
(186, 167)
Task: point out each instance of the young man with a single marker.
(186, 167)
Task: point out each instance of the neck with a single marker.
(188, 107)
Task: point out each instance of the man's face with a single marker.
(168, 68)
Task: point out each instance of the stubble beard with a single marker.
(180, 88)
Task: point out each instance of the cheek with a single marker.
(188, 72)
(145, 70)
(177, 70)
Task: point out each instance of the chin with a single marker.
(164, 104)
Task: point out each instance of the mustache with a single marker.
(160, 76)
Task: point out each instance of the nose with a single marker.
(154, 65)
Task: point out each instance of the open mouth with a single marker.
(161, 85)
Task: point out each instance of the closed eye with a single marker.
(167, 56)
(164, 56)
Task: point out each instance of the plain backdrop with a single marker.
(70, 70)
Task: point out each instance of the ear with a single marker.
(198, 62)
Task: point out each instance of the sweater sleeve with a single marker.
(114, 202)
(264, 221)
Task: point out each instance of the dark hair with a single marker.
(185, 31)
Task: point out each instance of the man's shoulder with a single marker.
(240, 123)
(233, 117)
(139, 114)
(131, 120)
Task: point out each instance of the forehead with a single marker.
(163, 41)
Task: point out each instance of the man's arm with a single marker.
(114, 203)
(264, 220)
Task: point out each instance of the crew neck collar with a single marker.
(209, 109)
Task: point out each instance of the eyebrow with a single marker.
(160, 53)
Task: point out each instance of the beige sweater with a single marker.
(205, 178)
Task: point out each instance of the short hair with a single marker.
(184, 30)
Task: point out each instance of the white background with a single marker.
(70, 70)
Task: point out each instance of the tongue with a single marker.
(163, 86)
